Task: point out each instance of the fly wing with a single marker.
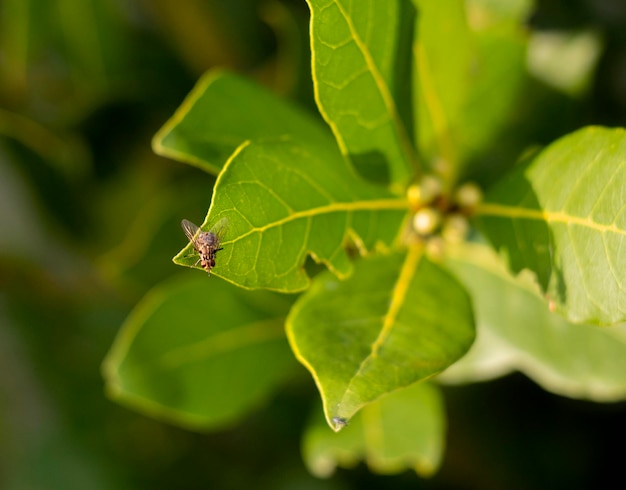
(219, 229)
(190, 230)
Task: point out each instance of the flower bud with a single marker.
(425, 192)
(430, 187)
(426, 221)
(468, 195)
(455, 228)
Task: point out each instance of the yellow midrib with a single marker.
(376, 205)
(434, 105)
(388, 100)
(491, 209)
(398, 297)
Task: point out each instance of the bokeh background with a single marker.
(89, 220)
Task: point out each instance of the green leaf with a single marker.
(466, 80)
(224, 110)
(515, 330)
(403, 430)
(397, 320)
(443, 50)
(355, 55)
(562, 216)
(200, 353)
(284, 201)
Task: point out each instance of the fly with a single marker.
(206, 243)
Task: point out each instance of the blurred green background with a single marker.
(89, 221)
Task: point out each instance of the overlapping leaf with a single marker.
(563, 216)
(200, 353)
(516, 331)
(285, 200)
(397, 320)
(356, 66)
(223, 111)
(403, 430)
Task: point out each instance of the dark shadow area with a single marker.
(540, 116)
(510, 433)
(530, 247)
(372, 166)
(403, 85)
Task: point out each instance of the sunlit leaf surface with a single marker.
(397, 320)
(403, 430)
(200, 352)
(356, 63)
(285, 200)
(223, 111)
(516, 330)
(563, 216)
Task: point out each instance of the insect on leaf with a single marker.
(284, 201)
(206, 243)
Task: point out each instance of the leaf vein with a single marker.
(612, 268)
(352, 78)
(383, 89)
(398, 297)
(333, 207)
(307, 178)
(581, 269)
(603, 191)
(501, 210)
(269, 190)
(225, 341)
(580, 178)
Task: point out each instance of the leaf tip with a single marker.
(338, 423)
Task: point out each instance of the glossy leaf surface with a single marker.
(354, 47)
(285, 201)
(223, 111)
(200, 370)
(397, 320)
(563, 216)
(517, 331)
(403, 430)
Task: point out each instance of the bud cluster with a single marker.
(440, 216)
